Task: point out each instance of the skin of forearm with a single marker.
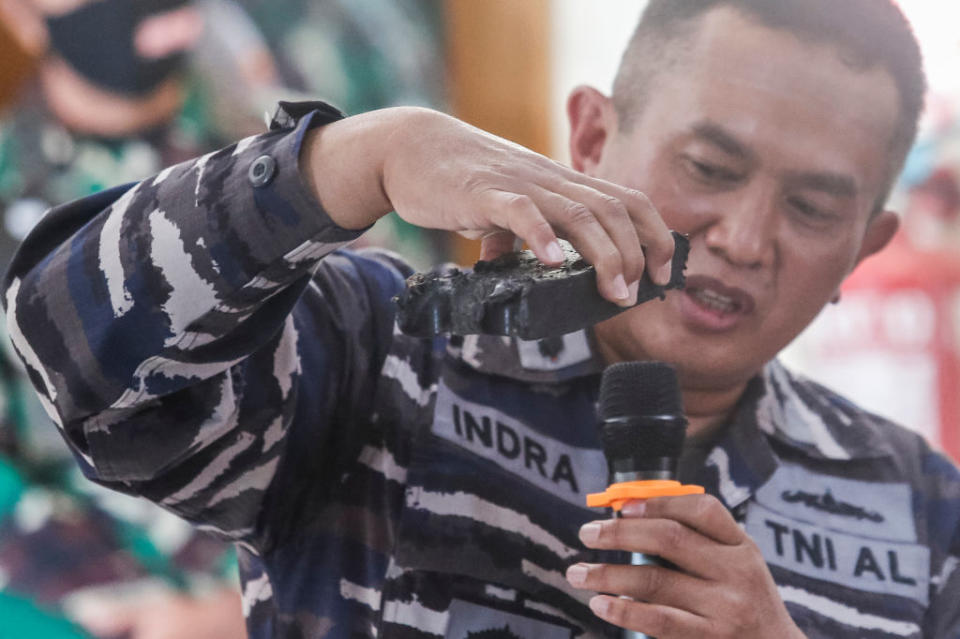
(343, 164)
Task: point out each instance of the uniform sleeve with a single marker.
(168, 327)
(945, 607)
(943, 519)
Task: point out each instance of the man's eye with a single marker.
(810, 211)
(708, 172)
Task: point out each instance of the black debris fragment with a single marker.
(518, 295)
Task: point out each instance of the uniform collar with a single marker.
(780, 410)
(814, 420)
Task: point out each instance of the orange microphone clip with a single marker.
(616, 495)
(642, 429)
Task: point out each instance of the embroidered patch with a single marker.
(830, 504)
(566, 471)
(869, 509)
(472, 621)
(861, 563)
(554, 353)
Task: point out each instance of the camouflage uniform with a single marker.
(207, 345)
(66, 543)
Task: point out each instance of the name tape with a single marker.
(852, 561)
(565, 471)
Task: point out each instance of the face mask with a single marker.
(96, 40)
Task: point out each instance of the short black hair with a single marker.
(866, 33)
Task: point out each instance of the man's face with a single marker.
(770, 153)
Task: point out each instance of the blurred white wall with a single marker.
(935, 23)
(587, 40)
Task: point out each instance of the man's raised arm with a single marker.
(165, 327)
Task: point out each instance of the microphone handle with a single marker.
(640, 485)
(640, 559)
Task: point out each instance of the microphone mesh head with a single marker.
(639, 388)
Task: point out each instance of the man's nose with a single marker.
(745, 230)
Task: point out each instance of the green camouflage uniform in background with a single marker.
(362, 55)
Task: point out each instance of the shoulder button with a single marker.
(262, 171)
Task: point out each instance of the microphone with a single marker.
(642, 430)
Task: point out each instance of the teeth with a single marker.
(715, 301)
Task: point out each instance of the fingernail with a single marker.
(589, 533)
(554, 252)
(634, 508)
(633, 288)
(664, 273)
(600, 605)
(620, 290)
(577, 574)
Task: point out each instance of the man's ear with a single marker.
(880, 230)
(592, 124)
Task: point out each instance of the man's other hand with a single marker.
(721, 586)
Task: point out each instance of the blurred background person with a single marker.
(187, 77)
(99, 92)
(104, 93)
(115, 96)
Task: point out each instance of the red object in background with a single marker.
(893, 343)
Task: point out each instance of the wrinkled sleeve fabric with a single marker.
(170, 327)
(945, 616)
(942, 505)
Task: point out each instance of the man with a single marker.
(197, 350)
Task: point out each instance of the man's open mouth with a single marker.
(710, 294)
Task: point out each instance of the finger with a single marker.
(653, 584)
(703, 513)
(495, 244)
(519, 214)
(612, 214)
(657, 241)
(659, 621)
(688, 549)
(579, 224)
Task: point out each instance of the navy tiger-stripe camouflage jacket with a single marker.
(202, 342)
